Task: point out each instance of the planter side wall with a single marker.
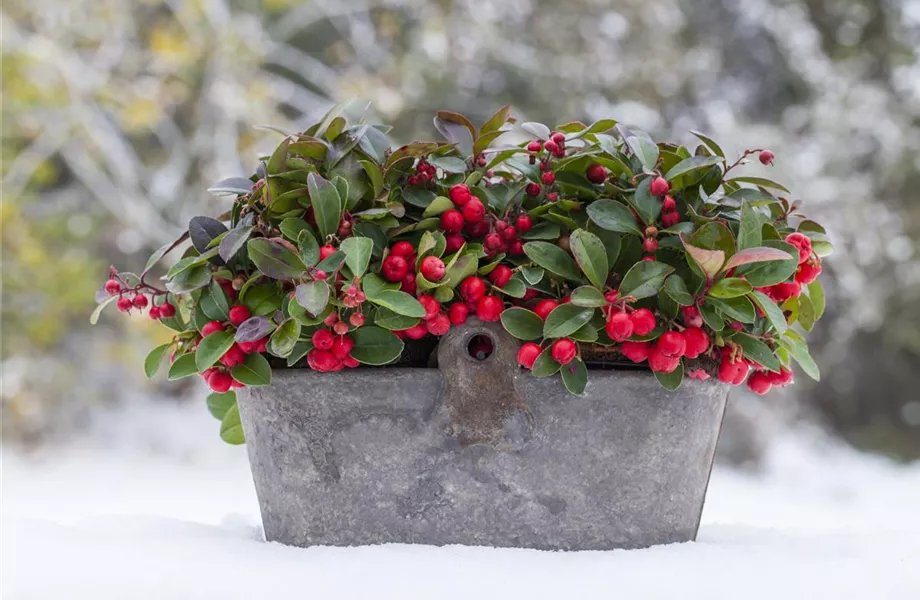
(375, 456)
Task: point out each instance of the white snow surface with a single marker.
(165, 510)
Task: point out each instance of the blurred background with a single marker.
(118, 115)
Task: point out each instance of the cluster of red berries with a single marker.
(664, 354)
(217, 377)
(562, 351)
(808, 270)
(331, 351)
(554, 146)
(133, 298)
(424, 172)
(735, 369)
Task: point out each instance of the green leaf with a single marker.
(710, 143)
(671, 381)
(183, 367)
(613, 216)
(213, 302)
(775, 271)
(522, 323)
(375, 176)
(757, 351)
(543, 230)
(688, 165)
(806, 313)
(233, 241)
(449, 164)
(799, 350)
(231, 186)
(676, 289)
(388, 319)
(709, 261)
(357, 254)
(644, 279)
(643, 147)
(586, 333)
(712, 317)
(231, 429)
(375, 346)
(496, 121)
(211, 348)
(516, 288)
(730, 287)
(332, 263)
(816, 293)
(284, 338)
(755, 255)
(591, 256)
(300, 350)
(761, 181)
(749, 229)
(292, 226)
(565, 320)
(327, 206)
(739, 309)
(192, 279)
(532, 275)
(220, 404)
(255, 371)
(203, 230)
(154, 359)
(552, 258)
(438, 206)
(274, 259)
(647, 206)
(313, 296)
(545, 366)
(278, 158)
(575, 377)
(94, 317)
(588, 297)
(158, 254)
(399, 302)
(772, 312)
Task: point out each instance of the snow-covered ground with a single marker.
(165, 510)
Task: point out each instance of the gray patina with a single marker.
(480, 453)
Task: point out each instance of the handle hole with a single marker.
(480, 347)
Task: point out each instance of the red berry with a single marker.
(220, 382)
(239, 314)
(534, 146)
(563, 351)
(154, 313)
(432, 268)
(340, 328)
(322, 360)
(784, 377)
(544, 307)
(394, 268)
(650, 245)
(432, 307)
(233, 356)
(123, 304)
(408, 284)
(766, 157)
(494, 242)
(696, 340)
(331, 319)
(472, 289)
(635, 351)
(474, 210)
(489, 308)
(801, 242)
(759, 383)
(211, 327)
(356, 319)
(550, 146)
(808, 271)
(402, 248)
(516, 248)
(671, 343)
(460, 194)
(532, 189)
(262, 344)
(659, 186)
(552, 196)
(509, 233)
(732, 372)
(596, 173)
(439, 325)
(781, 292)
(413, 180)
(643, 321)
(619, 326)
(234, 384)
(477, 229)
(350, 362)
(167, 310)
(417, 332)
(670, 219)
(523, 223)
(501, 275)
(326, 251)
(140, 301)
(320, 275)
(528, 354)
(323, 339)
(660, 362)
(112, 287)
(558, 137)
(342, 346)
(692, 317)
(452, 221)
(454, 241)
(458, 313)
(548, 178)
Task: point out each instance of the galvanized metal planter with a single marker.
(480, 453)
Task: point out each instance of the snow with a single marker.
(165, 510)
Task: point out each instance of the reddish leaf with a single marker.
(710, 261)
(753, 255)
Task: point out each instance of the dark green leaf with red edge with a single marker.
(553, 258)
(575, 377)
(591, 256)
(757, 351)
(155, 359)
(566, 319)
(545, 366)
(644, 279)
(255, 371)
(182, 367)
(730, 287)
(274, 259)
(220, 404)
(211, 348)
(671, 381)
(772, 312)
(613, 216)
(375, 346)
(522, 323)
